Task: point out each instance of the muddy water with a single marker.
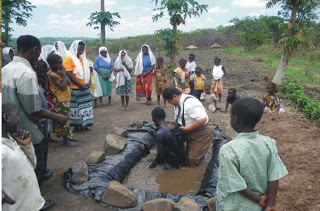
(181, 181)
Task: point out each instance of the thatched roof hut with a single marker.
(215, 45)
(192, 47)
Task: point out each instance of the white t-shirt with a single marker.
(193, 110)
(217, 72)
(191, 66)
(19, 180)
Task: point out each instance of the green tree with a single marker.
(17, 11)
(251, 32)
(103, 19)
(299, 13)
(178, 10)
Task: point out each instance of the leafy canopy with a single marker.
(105, 18)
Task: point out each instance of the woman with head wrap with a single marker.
(61, 48)
(77, 67)
(145, 62)
(47, 50)
(7, 56)
(123, 67)
(103, 65)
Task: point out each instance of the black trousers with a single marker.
(41, 151)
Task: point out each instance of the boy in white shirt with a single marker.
(191, 66)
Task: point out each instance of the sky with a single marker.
(68, 18)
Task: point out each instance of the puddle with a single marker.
(181, 181)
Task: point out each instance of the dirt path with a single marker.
(297, 138)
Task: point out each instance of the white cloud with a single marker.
(249, 3)
(74, 2)
(135, 8)
(228, 24)
(67, 16)
(217, 10)
(210, 20)
(254, 14)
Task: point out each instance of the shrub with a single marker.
(294, 92)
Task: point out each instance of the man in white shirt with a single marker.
(20, 189)
(194, 121)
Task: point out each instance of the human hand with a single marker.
(105, 77)
(263, 200)
(61, 119)
(7, 199)
(23, 137)
(123, 62)
(185, 129)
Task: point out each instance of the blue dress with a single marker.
(104, 67)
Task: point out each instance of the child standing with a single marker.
(198, 81)
(182, 77)
(218, 72)
(249, 166)
(191, 65)
(232, 97)
(20, 189)
(61, 95)
(160, 72)
(271, 100)
(208, 99)
(170, 144)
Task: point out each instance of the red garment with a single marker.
(147, 85)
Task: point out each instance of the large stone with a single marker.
(186, 204)
(95, 156)
(211, 204)
(118, 195)
(227, 131)
(114, 144)
(158, 205)
(80, 173)
(120, 132)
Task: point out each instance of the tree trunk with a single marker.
(287, 51)
(172, 54)
(103, 28)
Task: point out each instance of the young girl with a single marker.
(218, 72)
(249, 166)
(198, 81)
(271, 99)
(59, 86)
(208, 99)
(160, 72)
(182, 77)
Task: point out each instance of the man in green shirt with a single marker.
(249, 166)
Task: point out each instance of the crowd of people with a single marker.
(50, 89)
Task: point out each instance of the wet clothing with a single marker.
(161, 80)
(272, 102)
(19, 181)
(233, 99)
(249, 161)
(170, 147)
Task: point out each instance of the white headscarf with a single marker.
(6, 58)
(120, 79)
(139, 62)
(106, 59)
(61, 49)
(46, 50)
(73, 51)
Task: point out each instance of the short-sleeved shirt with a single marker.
(179, 72)
(70, 66)
(249, 161)
(100, 63)
(20, 85)
(198, 81)
(234, 99)
(191, 66)
(19, 180)
(193, 110)
(208, 98)
(146, 62)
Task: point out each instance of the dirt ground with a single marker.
(297, 137)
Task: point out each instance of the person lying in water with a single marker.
(170, 144)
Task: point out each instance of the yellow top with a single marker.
(61, 95)
(198, 82)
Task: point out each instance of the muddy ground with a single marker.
(297, 138)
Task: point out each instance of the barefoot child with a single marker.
(232, 97)
(208, 99)
(249, 166)
(191, 66)
(59, 86)
(198, 81)
(182, 77)
(170, 144)
(218, 72)
(271, 100)
(160, 72)
(20, 189)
